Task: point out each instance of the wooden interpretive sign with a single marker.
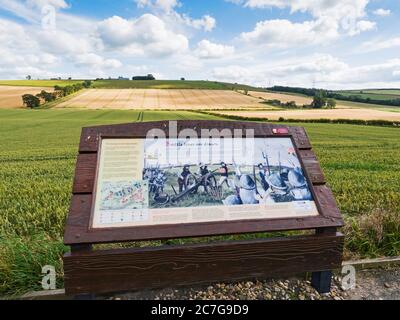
(168, 180)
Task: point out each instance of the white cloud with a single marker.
(96, 61)
(210, 50)
(331, 19)
(284, 33)
(382, 12)
(59, 4)
(147, 35)
(165, 5)
(325, 70)
(378, 44)
(235, 73)
(168, 13)
(207, 23)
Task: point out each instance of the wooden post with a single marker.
(322, 280)
(79, 249)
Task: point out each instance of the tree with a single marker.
(319, 100)
(87, 84)
(47, 96)
(331, 103)
(31, 101)
(28, 77)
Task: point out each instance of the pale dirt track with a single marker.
(334, 114)
(11, 97)
(159, 99)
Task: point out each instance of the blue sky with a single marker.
(332, 44)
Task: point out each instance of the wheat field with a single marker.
(160, 99)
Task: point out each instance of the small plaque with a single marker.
(146, 182)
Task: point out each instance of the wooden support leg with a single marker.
(83, 249)
(322, 281)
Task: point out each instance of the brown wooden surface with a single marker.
(135, 269)
(91, 136)
(80, 215)
(85, 173)
(312, 167)
(78, 229)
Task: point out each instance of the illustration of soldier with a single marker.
(299, 187)
(203, 173)
(224, 172)
(246, 190)
(183, 177)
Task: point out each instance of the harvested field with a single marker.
(159, 99)
(303, 100)
(11, 96)
(334, 114)
(281, 97)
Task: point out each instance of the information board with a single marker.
(148, 182)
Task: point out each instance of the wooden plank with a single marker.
(136, 269)
(78, 220)
(85, 173)
(327, 203)
(300, 137)
(78, 227)
(91, 136)
(312, 166)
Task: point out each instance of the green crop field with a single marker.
(168, 84)
(138, 84)
(38, 83)
(383, 95)
(394, 92)
(37, 158)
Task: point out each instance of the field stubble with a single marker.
(160, 99)
(11, 96)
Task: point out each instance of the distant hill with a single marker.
(387, 97)
(139, 84)
(170, 84)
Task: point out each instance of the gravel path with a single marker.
(371, 285)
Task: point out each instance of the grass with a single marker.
(38, 83)
(37, 157)
(128, 84)
(395, 92)
(168, 84)
(373, 94)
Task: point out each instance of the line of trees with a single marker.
(336, 95)
(34, 101)
(320, 101)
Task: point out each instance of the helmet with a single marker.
(276, 182)
(247, 182)
(296, 178)
(232, 200)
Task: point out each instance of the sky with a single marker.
(332, 44)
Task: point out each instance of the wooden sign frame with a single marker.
(100, 271)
